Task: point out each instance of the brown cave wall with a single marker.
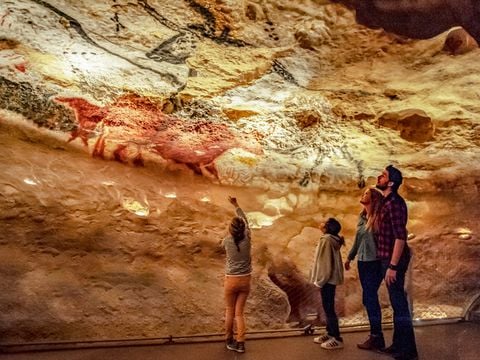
(291, 107)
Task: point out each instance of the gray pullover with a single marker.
(238, 262)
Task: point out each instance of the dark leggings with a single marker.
(371, 276)
(328, 302)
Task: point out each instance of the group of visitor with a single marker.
(382, 253)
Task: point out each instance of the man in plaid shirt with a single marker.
(394, 254)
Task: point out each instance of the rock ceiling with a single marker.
(419, 19)
(261, 94)
(294, 106)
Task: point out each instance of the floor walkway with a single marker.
(459, 341)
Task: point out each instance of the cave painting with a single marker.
(418, 19)
(131, 126)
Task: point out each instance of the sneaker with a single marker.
(372, 343)
(322, 338)
(240, 348)
(332, 344)
(231, 344)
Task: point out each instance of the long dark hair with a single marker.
(333, 227)
(237, 229)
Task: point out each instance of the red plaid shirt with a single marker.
(392, 225)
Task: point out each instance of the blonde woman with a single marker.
(369, 267)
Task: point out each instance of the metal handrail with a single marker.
(185, 339)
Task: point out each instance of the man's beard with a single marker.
(381, 187)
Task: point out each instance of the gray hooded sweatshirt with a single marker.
(327, 264)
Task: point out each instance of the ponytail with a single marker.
(237, 230)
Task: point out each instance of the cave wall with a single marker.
(125, 126)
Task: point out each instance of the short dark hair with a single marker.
(332, 226)
(395, 176)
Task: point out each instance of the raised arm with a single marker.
(239, 212)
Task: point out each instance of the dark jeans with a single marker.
(371, 276)
(403, 334)
(328, 301)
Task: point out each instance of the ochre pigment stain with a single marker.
(20, 67)
(132, 125)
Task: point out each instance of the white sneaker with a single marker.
(322, 338)
(332, 344)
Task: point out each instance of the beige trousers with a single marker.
(236, 289)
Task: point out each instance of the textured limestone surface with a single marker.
(125, 125)
(420, 19)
